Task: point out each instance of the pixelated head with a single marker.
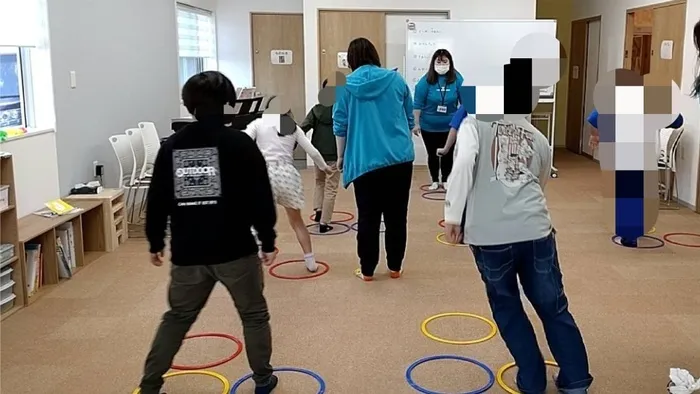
(362, 52)
(645, 103)
(326, 96)
(536, 63)
(547, 56)
(279, 115)
(441, 64)
(207, 94)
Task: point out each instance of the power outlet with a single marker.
(95, 167)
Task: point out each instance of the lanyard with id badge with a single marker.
(442, 108)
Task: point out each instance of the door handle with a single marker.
(575, 72)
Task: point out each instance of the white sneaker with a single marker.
(443, 186)
(434, 186)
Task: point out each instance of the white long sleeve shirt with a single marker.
(461, 178)
(277, 148)
(499, 174)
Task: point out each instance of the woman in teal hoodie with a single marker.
(372, 122)
(434, 105)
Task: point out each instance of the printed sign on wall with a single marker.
(666, 49)
(343, 60)
(281, 57)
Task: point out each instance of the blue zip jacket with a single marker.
(374, 112)
(429, 97)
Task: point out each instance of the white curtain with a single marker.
(20, 22)
(196, 32)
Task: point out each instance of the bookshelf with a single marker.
(114, 219)
(11, 271)
(89, 242)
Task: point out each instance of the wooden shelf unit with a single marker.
(88, 235)
(9, 235)
(114, 210)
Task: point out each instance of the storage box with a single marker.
(5, 276)
(7, 251)
(7, 303)
(4, 196)
(7, 290)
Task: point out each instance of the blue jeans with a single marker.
(536, 263)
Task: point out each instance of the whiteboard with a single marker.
(396, 37)
(479, 48)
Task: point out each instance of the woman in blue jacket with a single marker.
(372, 121)
(435, 103)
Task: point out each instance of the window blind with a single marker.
(20, 22)
(196, 32)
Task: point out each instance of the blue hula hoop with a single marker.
(409, 371)
(319, 379)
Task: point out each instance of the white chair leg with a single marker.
(142, 206)
(133, 192)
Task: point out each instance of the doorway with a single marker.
(337, 28)
(591, 79)
(654, 37)
(583, 76)
(281, 75)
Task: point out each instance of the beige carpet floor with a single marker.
(639, 311)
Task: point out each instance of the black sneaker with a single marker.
(630, 243)
(267, 389)
(324, 228)
(317, 216)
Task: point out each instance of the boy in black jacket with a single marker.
(320, 119)
(196, 183)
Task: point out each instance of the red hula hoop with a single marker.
(216, 363)
(669, 235)
(424, 188)
(441, 223)
(323, 271)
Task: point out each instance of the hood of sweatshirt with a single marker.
(369, 82)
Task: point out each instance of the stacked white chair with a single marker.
(669, 141)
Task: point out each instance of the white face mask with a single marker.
(442, 69)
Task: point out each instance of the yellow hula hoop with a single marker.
(221, 378)
(503, 369)
(424, 328)
(652, 231)
(440, 239)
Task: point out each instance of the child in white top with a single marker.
(278, 150)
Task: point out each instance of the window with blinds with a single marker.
(196, 31)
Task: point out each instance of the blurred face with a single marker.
(442, 65)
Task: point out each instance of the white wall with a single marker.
(461, 9)
(233, 34)
(126, 72)
(36, 172)
(613, 18)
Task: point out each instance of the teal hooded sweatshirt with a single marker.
(374, 112)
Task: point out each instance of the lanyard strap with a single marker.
(443, 92)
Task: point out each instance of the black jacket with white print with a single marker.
(212, 182)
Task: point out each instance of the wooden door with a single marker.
(668, 26)
(337, 28)
(577, 82)
(629, 37)
(275, 32)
